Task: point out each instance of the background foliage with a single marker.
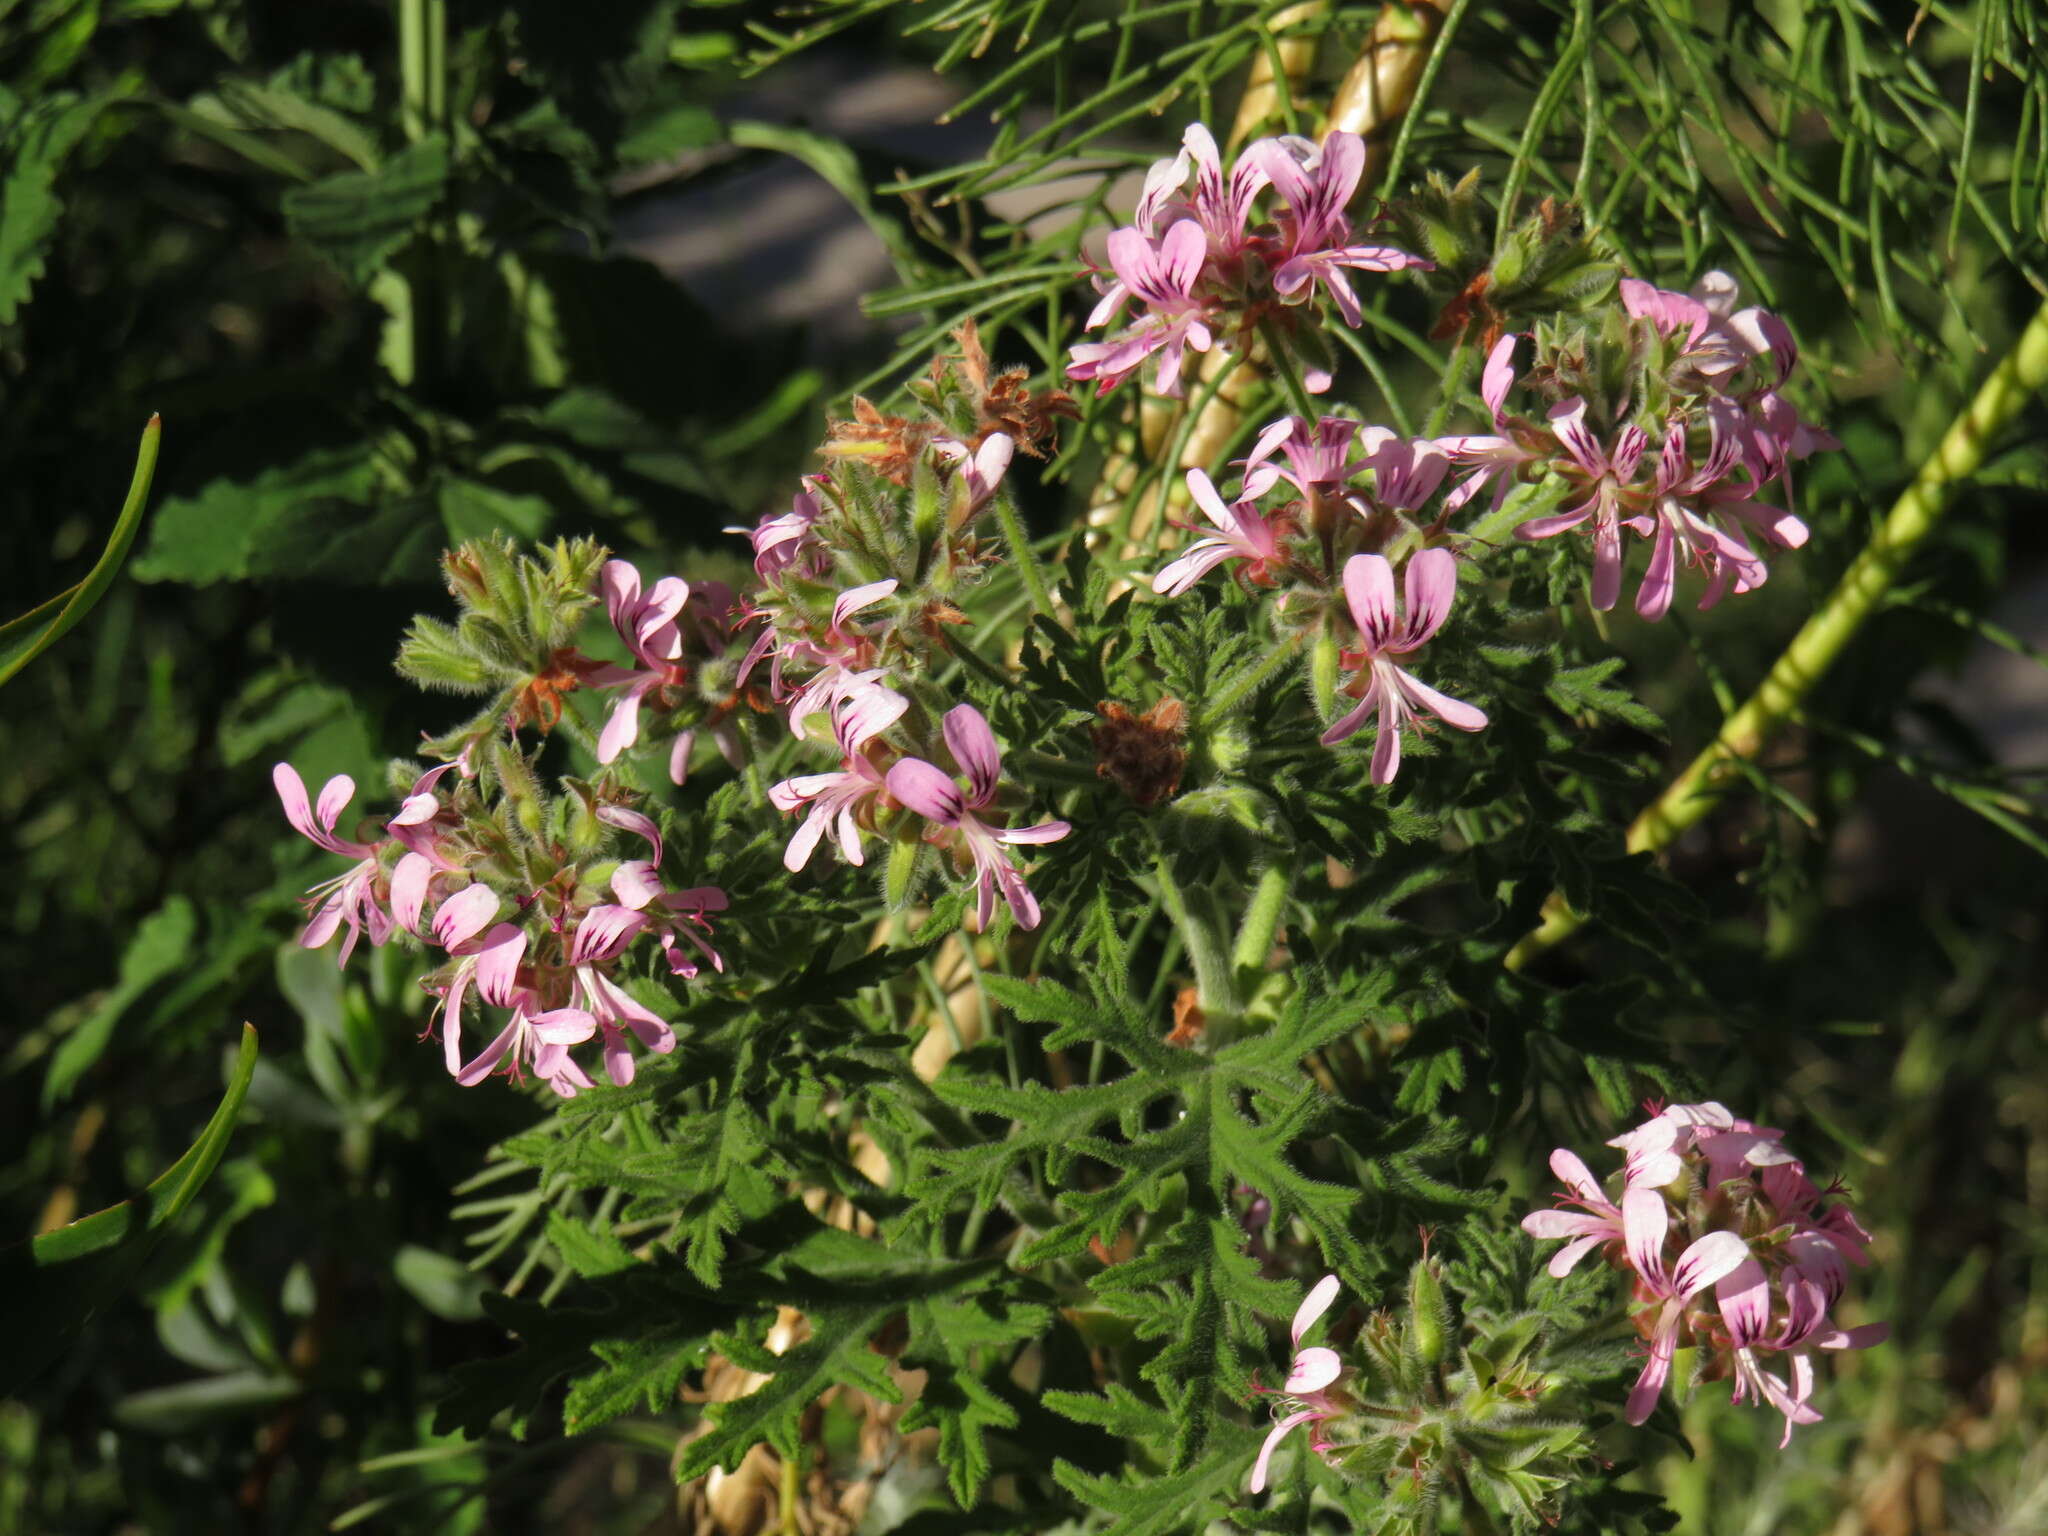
(359, 257)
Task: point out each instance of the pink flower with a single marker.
(789, 539)
(980, 470)
(673, 917)
(1750, 1224)
(1316, 182)
(1681, 534)
(1646, 1222)
(659, 628)
(350, 899)
(936, 796)
(1495, 458)
(1597, 1221)
(1318, 457)
(1605, 475)
(1394, 694)
(1405, 471)
(1221, 205)
(1314, 1372)
(844, 656)
(1163, 278)
(600, 938)
(836, 800)
(1242, 533)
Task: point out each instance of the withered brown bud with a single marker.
(1003, 403)
(889, 445)
(1188, 1021)
(1141, 754)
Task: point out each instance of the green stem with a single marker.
(1454, 386)
(1281, 361)
(1213, 977)
(1262, 918)
(1022, 552)
(1813, 650)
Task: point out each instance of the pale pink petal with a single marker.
(1566, 1258)
(1044, 832)
(1544, 1225)
(1642, 1399)
(409, 880)
(464, 915)
(973, 746)
(497, 964)
(1273, 1439)
(639, 824)
(1706, 1261)
(335, 795)
(1432, 581)
(1182, 253)
(1314, 1305)
(1645, 1220)
(1744, 1296)
(930, 793)
(1573, 1173)
(847, 604)
(1386, 745)
(1314, 1369)
(1369, 591)
(486, 1059)
(603, 933)
(1499, 374)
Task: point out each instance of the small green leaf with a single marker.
(358, 219)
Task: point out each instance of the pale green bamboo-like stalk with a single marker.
(2022, 373)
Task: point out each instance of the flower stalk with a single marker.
(1915, 515)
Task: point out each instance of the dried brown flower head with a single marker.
(889, 445)
(1141, 754)
(1002, 403)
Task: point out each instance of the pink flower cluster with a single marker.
(1710, 1202)
(1686, 466)
(1340, 487)
(1202, 269)
(554, 963)
(1313, 1392)
(852, 659)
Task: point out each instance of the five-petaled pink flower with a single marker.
(1314, 1372)
(1386, 689)
(1646, 1223)
(352, 898)
(1162, 277)
(936, 796)
(1242, 533)
(837, 800)
(1604, 475)
(1316, 183)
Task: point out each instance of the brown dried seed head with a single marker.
(1141, 754)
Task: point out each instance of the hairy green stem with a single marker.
(1214, 980)
(1813, 650)
(1022, 552)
